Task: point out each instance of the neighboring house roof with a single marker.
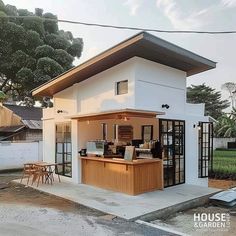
(11, 129)
(26, 113)
(33, 124)
(142, 45)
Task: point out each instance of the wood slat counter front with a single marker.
(130, 177)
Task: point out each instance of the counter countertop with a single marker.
(121, 161)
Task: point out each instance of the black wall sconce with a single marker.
(165, 106)
(59, 111)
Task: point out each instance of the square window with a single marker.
(122, 87)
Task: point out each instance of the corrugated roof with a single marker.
(26, 113)
(33, 124)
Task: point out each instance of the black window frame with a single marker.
(104, 131)
(143, 128)
(65, 141)
(117, 87)
(173, 149)
(205, 149)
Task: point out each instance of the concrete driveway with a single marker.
(26, 212)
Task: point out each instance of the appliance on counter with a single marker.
(83, 152)
(136, 142)
(97, 147)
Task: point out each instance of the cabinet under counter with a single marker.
(130, 177)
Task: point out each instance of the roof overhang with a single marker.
(122, 114)
(142, 45)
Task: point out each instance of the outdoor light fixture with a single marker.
(165, 106)
(59, 111)
(199, 127)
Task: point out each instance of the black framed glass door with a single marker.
(63, 149)
(172, 137)
(205, 150)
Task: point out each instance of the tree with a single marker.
(214, 105)
(32, 50)
(2, 96)
(226, 125)
(230, 87)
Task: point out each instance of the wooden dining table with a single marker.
(45, 169)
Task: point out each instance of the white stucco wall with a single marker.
(14, 154)
(157, 84)
(49, 140)
(191, 151)
(222, 142)
(98, 93)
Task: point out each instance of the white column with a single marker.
(191, 152)
(76, 166)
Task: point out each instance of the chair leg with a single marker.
(56, 170)
(38, 181)
(28, 179)
(22, 177)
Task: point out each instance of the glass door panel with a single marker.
(172, 135)
(205, 148)
(63, 149)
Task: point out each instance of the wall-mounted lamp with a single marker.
(165, 106)
(59, 111)
(198, 126)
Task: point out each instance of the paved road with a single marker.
(27, 212)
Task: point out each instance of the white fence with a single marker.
(222, 142)
(14, 154)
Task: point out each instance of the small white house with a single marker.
(139, 86)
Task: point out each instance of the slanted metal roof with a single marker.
(33, 124)
(26, 113)
(142, 45)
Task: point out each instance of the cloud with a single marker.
(178, 18)
(229, 3)
(133, 6)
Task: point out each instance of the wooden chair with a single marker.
(29, 170)
(41, 172)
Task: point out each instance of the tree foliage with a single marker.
(226, 125)
(32, 50)
(214, 105)
(230, 87)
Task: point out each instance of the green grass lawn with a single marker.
(224, 163)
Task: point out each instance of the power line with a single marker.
(127, 27)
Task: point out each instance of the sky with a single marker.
(205, 15)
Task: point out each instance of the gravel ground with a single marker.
(183, 222)
(26, 212)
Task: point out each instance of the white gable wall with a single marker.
(66, 102)
(98, 93)
(157, 84)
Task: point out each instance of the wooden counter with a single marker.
(131, 177)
